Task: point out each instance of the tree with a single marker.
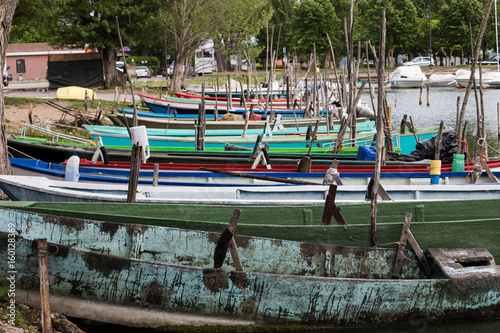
(7, 8)
(243, 21)
(312, 20)
(191, 22)
(401, 32)
(27, 24)
(454, 23)
(93, 22)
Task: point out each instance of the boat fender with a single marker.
(72, 172)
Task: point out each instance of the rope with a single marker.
(468, 156)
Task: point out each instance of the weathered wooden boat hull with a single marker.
(26, 188)
(195, 177)
(284, 283)
(434, 223)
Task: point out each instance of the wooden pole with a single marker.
(134, 121)
(398, 264)
(380, 124)
(472, 74)
(238, 266)
(135, 165)
(216, 112)
(43, 252)
(498, 120)
(421, 93)
(155, 174)
(437, 151)
(428, 94)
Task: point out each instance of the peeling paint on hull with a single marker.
(284, 282)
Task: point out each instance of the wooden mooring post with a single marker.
(135, 165)
(43, 252)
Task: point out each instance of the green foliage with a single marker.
(401, 23)
(155, 27)
(454, 24)
(4, 290)
(312, 21)
(144, 61)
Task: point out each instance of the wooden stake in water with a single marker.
(428, 95)
(498, 116)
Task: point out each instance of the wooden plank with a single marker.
(418, 251)
(398, 264)
(331, 209)
(488, 171)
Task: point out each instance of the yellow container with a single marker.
(435, 167)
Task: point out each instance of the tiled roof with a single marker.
(33, 47)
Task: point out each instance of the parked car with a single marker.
(419, 61)
(170, 69)
(491, 61)
(142, 71)
(120, 65)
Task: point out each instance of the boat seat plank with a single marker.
(460, 263)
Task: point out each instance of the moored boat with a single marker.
(228, 175)
(27, 188)
(407, 77)
(110, 267)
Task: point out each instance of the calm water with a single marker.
(443, 106)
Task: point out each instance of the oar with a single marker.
(272, 179)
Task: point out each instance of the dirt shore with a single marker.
(41, 115)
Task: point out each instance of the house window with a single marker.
(20, 66)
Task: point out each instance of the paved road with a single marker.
(41, 90)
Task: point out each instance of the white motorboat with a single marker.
(441, 80)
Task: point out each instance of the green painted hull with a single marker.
(454, 223)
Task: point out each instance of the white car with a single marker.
(491, 61)
(142, 71)
(420, 61)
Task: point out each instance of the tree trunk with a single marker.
(7, 8)
(144, 50)
(219, 56)
(113, 76)
(178, 76)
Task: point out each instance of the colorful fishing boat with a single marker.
(113, 136)
(27, 188)
(211, 176)
(166, 122)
